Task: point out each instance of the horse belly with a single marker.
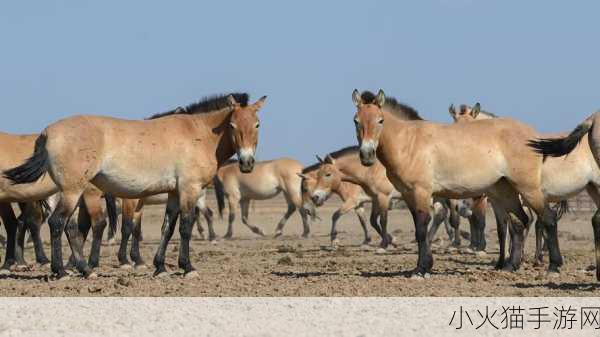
(465, 184)
(127, 185)
(259, 189)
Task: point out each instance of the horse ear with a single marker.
(231, 100)
(380, 99)
(329, 159)
(452, 111)
(319, 159)
(259, 104)
(356, 99)
(475, 110)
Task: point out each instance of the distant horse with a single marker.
(419, 157)
(176, 152)
(353, 198)
(267, 180)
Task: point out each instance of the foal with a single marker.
(267, 180)
(177, 152)
(419, 160)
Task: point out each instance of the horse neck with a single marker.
(389, 142)
(351, 172)
(220, 140)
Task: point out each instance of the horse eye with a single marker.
(328, 175)
(356, 121)
(381, 121)
(257, 125)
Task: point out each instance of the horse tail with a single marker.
(558, 147)
(111, 209)
(561, 209)
(220, 194)
(34, 167)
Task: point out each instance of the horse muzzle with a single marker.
(367, 154)
(246, 160)
(318, 198)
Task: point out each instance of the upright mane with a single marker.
(392, 105)
(311, 168)
(206, 105)
(344, 152)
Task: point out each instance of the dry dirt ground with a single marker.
(292, 266)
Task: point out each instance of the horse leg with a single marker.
(419, 201)
(187, 201)
(127, 209)
(360, 213)
(233, 208)
(93, 205)
(11, 223)
(454, 220)
(595, 195)
(21, 264)
(501, 227)
(84, 223)
(245, 206)
(383, 202)
(539, 243)
(135, 254)
(440, 213)
(35, 217)
(288, 213)
(168, 227)
(208, 216)
(477, 219)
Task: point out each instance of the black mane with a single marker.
(311, 168)
(392, 105)
(344, 151)
(206, 105)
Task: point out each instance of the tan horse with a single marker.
(177, 152)
(353, 198)
(131, 225)
(268, 179)
(15, 149)
(565, 177)
(419, 157)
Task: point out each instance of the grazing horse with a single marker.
(176, 152)
(131, 225)
(419, 159)
(565, 177)
(268, 179)
(33, 200)
(353, 198)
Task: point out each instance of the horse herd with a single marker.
(441, 171)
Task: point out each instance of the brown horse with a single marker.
(419, 159)
(267, 180)
(353, 198)
(565, 177)
(32, 201)
(177, 152)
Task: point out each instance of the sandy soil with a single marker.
(291, 266)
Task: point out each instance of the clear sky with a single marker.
(538, 61)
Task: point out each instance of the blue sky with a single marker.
(538, 61)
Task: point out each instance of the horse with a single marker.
(176, 152)
(35, 201)
(419, 159)
(577, 171)
(267, 180)
(353, 198)
(344, 166)
(131, 225)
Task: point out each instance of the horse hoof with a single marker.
(22, 268)
(125, 266)
(481, 253)
(508, 268)
(162, 275)
(258, 231)
(468, 251)
(192, 275)
(419, 276)
(140, 266)
(278, 234)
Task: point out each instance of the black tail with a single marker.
(220, 193)
(33, 168)
(561, 209)
(558, 147)
(111, 209)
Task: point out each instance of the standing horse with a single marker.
(268, 179)
(353, 198)
(565, 177)
(176, 152)
(419, 159)
(32, 201)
